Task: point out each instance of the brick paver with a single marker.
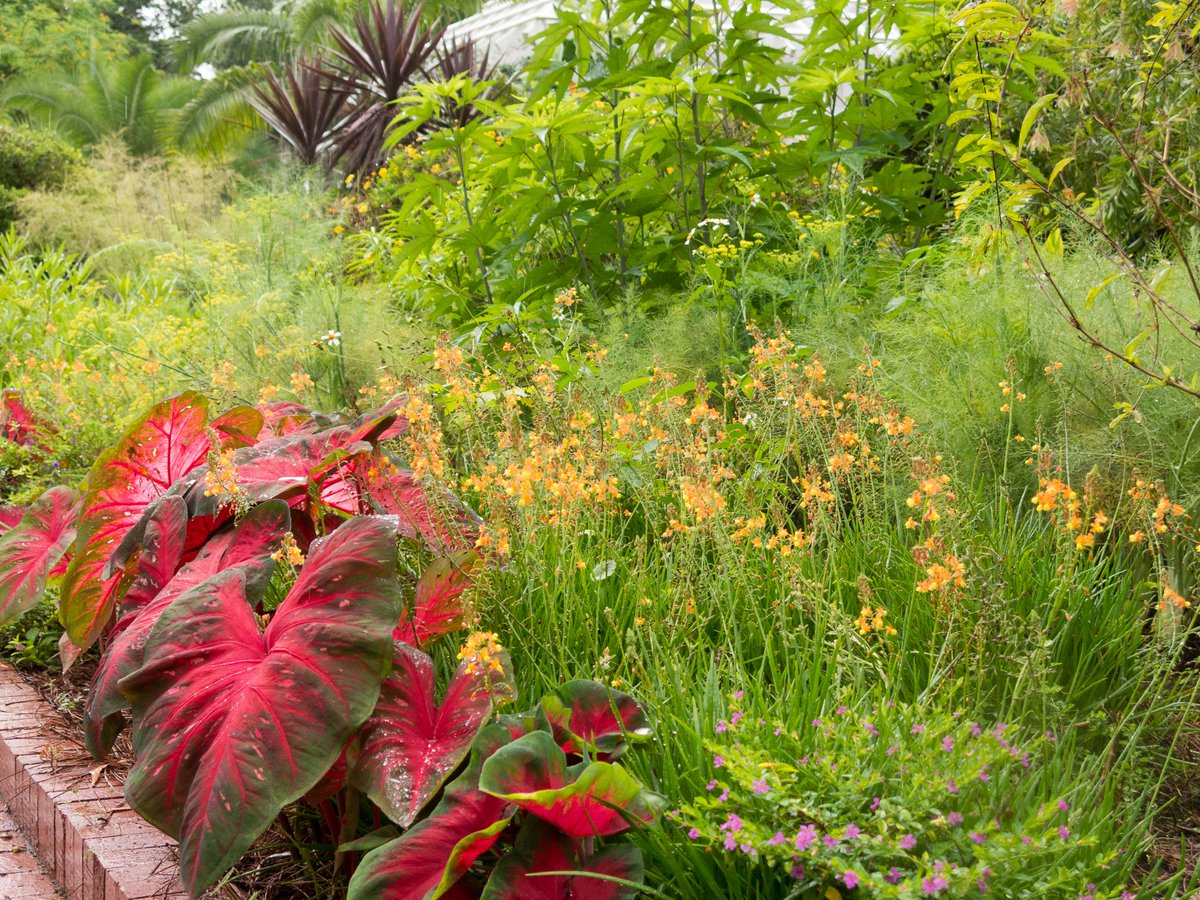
(21, 877)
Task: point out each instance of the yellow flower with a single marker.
(481, 653)
(289, 552)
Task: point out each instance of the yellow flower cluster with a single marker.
(1058, 498)
(289, 552)
(481, 654)
(423, 439)
(871, 620)
(221, 479)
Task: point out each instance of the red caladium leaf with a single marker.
(283, 418)
(163, 445)
(30, 549)
(440, 520)
(246, 547)
(232, 724)
(428, 859)
(289, 468)
(17, 423)
(162, 548)
(587, 714)
(540, 848)
(410, 743)
(584, 800)
(10, 516)
(437, 606)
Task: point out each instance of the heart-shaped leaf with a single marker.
(437, 518)
(411, 744)
(540, 848)
(31, 548)
(232, 724)
(591, 715)
(437, 606)
(584, 800)
(246, 547)
(429, 858)
(163, 445)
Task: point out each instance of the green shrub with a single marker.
(30, 159)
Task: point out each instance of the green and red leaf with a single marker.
(410, 744)
(437, 605)
(586, 714)
(162, 446)
(32, 548)
(246, 547)
(437, 518)
(17, 423)
(589, 799)
(232, 724)
(429, 859)
(541, 849)
(161, 553)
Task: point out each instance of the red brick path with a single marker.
(87, 839)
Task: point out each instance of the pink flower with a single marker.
(693, 834)
(874, 804)
(851, 878)
(760, 786)
(733, 823)
(711, 786)
(951, 786)
(730, 842)
(955, 818)
(933, 885)
(841, 711)
(947, 744)
(1063, 832)
(917, 729)
(1064, 805)
(724, 796)
(777, 839)
(908, 842)
(852, 831)
(893, 876)
(721, 727)
(978, 837)
(718, 760)
(808, 834)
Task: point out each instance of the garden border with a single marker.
(78, 824)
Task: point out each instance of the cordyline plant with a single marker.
(186, 533)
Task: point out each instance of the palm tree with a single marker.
(240, 36)
(128, 98)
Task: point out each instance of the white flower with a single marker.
(332, 338)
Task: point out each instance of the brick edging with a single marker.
(91, 843)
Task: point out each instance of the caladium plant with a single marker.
(411, 743)
(519, 779)
(242, 709)
(437, 606)
(231, 722)
(245, 547)
(31, 549)
(169, 441)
